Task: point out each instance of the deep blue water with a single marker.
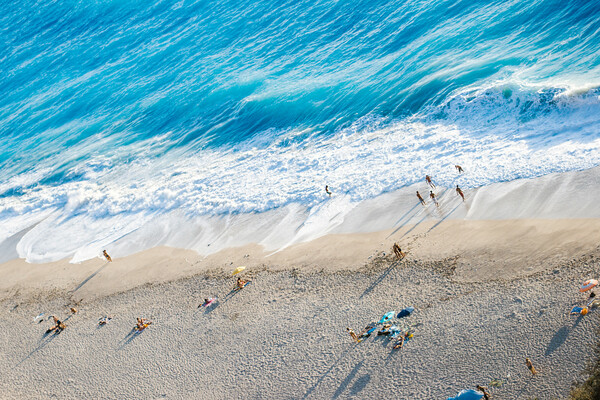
(132, 108)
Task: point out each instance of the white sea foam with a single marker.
(497, 134)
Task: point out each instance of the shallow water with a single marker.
(114, 114)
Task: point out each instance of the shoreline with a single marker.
(481, 250)
(569, 195)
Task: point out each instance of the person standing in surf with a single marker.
(327, 190)
(460, 193)
(429, 182)
(432, 195)
(420, 198)
(106, 256)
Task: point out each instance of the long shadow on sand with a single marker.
(44, 341)
(557, 340)
(86, 280)
(347, 380)
(380, 279)
(360, 384)
(326, 373)
(129, 337)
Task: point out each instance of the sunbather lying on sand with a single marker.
(207, 302)
(353, 335)
(385, 330)
(104, 320)
(58, 326)
(368, 330)
(486, 394)
(399, 342)
(530, 366)
(142, 323)
(241, 283)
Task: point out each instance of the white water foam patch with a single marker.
(112, 200)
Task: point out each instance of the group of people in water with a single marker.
(432, 196)
(429, 181)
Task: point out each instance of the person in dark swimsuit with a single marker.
(420, 198)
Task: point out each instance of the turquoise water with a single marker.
(114, 112)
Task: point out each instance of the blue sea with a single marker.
(116, 113)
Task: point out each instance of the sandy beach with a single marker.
(489, 288)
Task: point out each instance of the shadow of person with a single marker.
(380, 278)
(360, 384)
(557, 340)
(326, 373)
(347, 380)
(86, 280)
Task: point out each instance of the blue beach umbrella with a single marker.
(469, 394)
(387, 316)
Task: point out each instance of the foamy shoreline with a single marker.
(488, 292)
(556, 213)
(570, 195)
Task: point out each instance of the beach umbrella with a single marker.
(469, 394)
(587, 285)
(387, 316)
(238, 270)
(406, 312)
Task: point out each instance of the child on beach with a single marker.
(106, 256)
(420, 198)
(530, 366)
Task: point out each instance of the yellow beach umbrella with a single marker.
(238, 270)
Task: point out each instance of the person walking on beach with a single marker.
(459, 169)
(429, 182)
(530, 366)
(432, 195)
(420, 198)
(353, 335)
(327, 190)
(398, 251)
(486, 394)
(460, 193)
(106, 256)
